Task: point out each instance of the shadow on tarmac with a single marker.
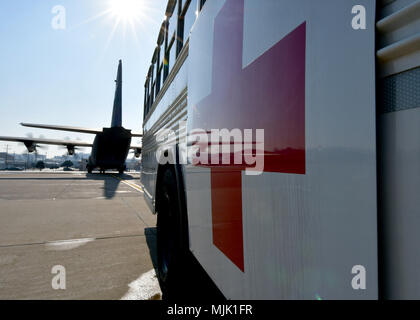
(111, 181)
(89, 176)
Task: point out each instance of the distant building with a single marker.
(133, 164)
(3, 155)
(83, 165)
(6, 160)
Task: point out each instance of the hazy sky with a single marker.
(66, 77)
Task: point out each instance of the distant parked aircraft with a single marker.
(110, 147)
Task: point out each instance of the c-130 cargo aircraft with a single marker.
(110, 147)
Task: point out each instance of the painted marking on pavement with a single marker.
(146, 287)
(132, 185)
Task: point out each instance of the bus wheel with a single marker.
(171, 247)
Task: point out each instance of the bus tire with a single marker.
(172, 241)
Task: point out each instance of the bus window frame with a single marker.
(156, 79)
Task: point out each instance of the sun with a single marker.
(126, 10)
(126, 15)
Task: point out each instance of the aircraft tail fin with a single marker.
(117, 111)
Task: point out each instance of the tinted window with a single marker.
(172, 55)
(189, 18)
(173, 22)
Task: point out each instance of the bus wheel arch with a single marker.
(172, 228)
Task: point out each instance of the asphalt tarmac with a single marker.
(72, 235)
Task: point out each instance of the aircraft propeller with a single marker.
(71, 149)
(32, 146)
(136, 152)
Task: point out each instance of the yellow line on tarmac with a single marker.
(132, 185)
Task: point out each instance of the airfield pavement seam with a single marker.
(71, 240)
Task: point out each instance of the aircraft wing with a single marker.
(72, 129)
(137, 134)
(62, 128)
(15, 139)
(47, 141)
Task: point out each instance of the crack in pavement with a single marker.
(69, 240)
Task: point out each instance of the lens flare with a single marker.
(132, 15)
(126, 10)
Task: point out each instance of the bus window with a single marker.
(191, 14)
(159, 82)
(145, 102)
(147, 89)
(158, 69)
(173, 23)
(172, 33)
(202, 2)
(171, 54)
(151, 86)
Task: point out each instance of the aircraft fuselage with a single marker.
(110, 149)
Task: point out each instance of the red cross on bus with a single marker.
(267, 94)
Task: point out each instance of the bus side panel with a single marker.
(303, 234)
(399, 147)
(167, 113)
(399, 188)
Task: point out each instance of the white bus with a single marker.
(282, 147)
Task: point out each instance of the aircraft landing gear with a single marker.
(121, 170)
(89, 170)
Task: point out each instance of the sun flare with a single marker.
(126, 10)
(126, 15)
